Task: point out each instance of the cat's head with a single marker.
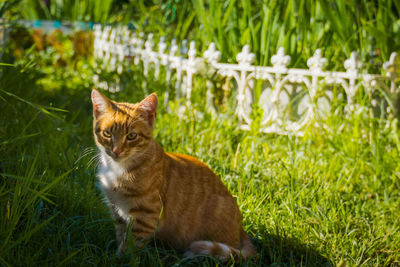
(123, 130)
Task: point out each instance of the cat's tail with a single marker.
(222, 251)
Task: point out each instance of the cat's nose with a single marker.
(117, 151)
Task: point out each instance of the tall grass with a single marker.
(338, 27)
(328, 198)
(300, 26)
(323, 199)
(68, 10)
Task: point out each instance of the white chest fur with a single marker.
(109, 172)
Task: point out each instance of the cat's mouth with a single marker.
(116, 157)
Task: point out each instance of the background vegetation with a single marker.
(301, 26)
(328, 198)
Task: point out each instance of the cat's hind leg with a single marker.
(222, 227)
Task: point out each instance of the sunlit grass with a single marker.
(329, 198)
(337, 27)
(323, 199)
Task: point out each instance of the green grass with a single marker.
(300, 26)
(328, 198)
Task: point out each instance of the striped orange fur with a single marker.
(175, 198)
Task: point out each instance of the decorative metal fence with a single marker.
(290, 98)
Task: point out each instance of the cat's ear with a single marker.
(149, 104)
(101, 104)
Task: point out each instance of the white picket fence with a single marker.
(291, 98)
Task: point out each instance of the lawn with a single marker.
(328, 198)
(323, 199)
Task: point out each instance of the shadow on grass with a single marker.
(273, 251)
(282, 251)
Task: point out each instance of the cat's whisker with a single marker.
(94, 160)
(93, 164)
(87, 151)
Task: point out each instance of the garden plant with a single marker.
(330, 197)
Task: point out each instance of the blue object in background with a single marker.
(37, 24)
(57, 24)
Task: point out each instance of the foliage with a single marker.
(68, 10)
(323, 199)
(328, 198)
(340, 27)
(370, 27)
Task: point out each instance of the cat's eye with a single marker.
(131, 136)
(106, 134)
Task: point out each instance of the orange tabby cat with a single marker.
(175, 198)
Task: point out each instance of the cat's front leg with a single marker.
(144, 226)
(141, 234)
(120, 231)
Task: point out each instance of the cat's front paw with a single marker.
(120, 252)
(121, 249)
